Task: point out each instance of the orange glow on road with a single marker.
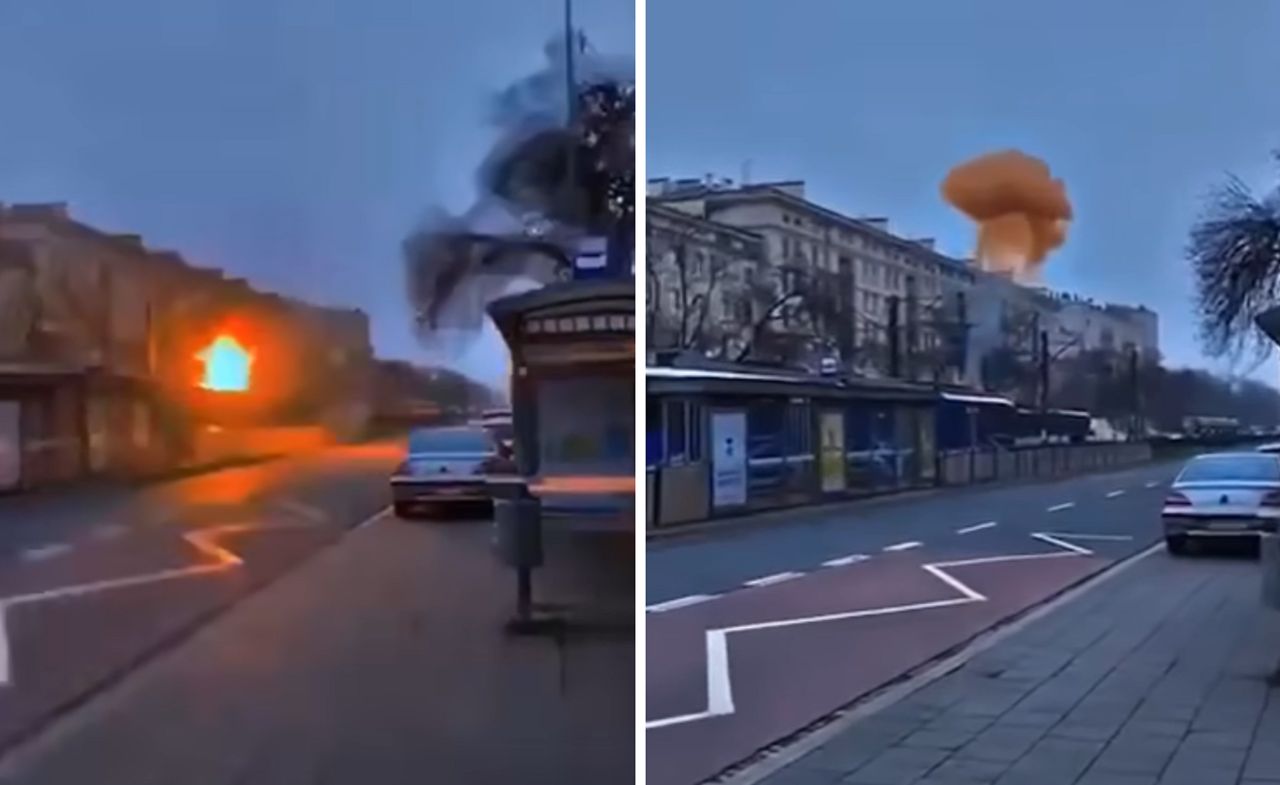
(227, 365)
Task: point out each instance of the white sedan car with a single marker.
(1222, 495)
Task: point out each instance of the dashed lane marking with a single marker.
(1061, 507)
(1114, 494)
(769, 580)
(1153, 484)
(108, 531)
(902, 546)
(977, 527)
(679, 602)
(845, 561)
(44, 552)
(304, 510)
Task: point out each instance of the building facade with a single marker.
(99, 338)
(836, 279)
(703, 279)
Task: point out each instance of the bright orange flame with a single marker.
(227, 365)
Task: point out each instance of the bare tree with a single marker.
(1234, 252)
(696, 279)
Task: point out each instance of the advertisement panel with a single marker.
(833, 460)
(728, 459)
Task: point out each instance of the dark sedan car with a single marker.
(448, 468)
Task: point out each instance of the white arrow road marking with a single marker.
(977, 527)
(769, 580)
(845, 561)
(203, 540)
(679, 602)
(719, 683)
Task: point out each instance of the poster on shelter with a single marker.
(833, 479)
(729, 459)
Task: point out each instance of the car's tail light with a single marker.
(1176, 499)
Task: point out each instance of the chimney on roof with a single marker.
(877, 221)
(927, 242)
(134, 240)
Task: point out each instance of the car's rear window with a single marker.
(449, 441)
(1232, 467)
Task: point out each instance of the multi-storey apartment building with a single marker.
(846, 273)
(99, 338)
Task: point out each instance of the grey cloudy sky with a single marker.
(294, 142)
(1139, 107)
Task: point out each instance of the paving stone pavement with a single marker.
(1157, 677)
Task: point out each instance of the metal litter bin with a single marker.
(517, 522)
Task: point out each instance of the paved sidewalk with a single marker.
(383, 660)
(1157, 677)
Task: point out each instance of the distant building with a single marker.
(99, 338)
(850, 271)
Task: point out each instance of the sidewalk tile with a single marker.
(1001, 744)
(896, 766)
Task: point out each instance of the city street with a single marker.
(756, 634)
(381, 659)
(95, 580)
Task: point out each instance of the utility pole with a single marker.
(1044, 370)
(913, 327)
(1135, 391)
(895, 334)
(571, 84)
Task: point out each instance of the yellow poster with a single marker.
(833, 452)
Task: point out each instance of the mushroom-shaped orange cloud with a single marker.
(1022, 212)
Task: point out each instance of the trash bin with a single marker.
(1269, 551)
(517, 521)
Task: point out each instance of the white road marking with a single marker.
(977, 527)
(845, 561)
(769, 580)
(108, 531)
(301, 509)
(44, 552)
(1061, 507)
(902, 546)
(719, 683)
(782, 758)
(203, 540)
(1114, 494)
(1153, 484)
(679, 602)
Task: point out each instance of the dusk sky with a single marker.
(1138, 107)
(292, 142)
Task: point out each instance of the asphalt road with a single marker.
(381, 660)
(96, 580)
(753, 635)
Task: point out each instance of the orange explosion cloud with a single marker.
(1022, 212)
